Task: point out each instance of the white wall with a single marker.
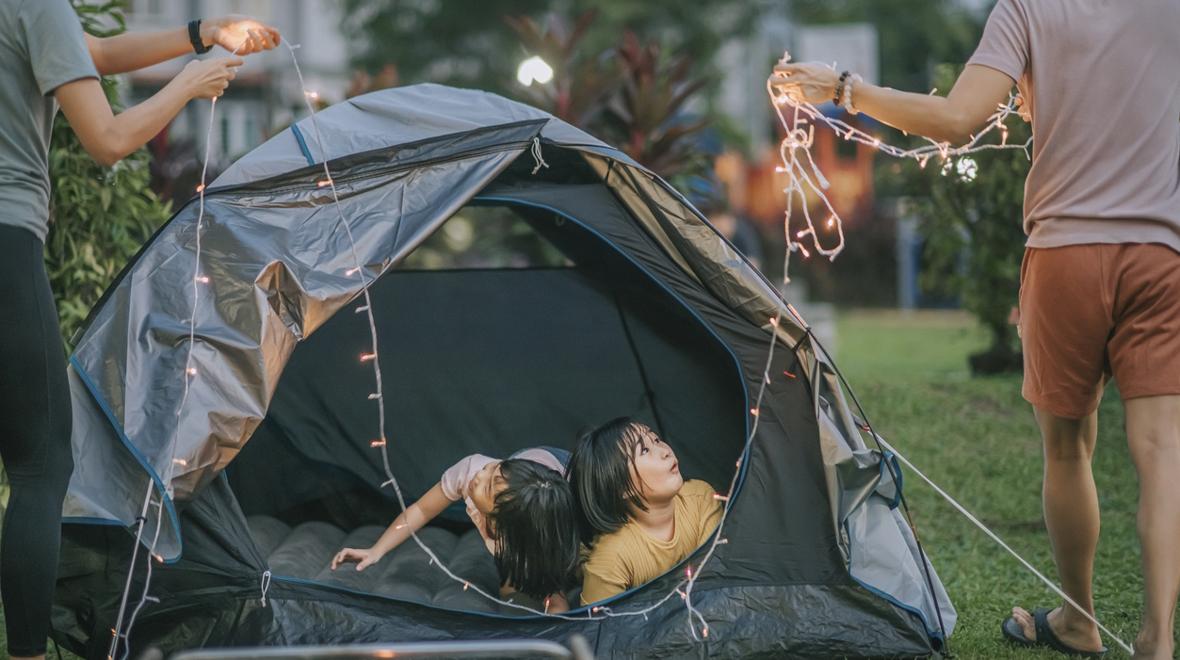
(745, 63)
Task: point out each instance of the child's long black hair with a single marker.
(600, 476)
(533, 525)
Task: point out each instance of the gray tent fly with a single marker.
(635, 306)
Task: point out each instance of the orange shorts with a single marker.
(1088, 312)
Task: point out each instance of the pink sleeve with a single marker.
(454, 480)
(1005, 43)
(542, 457)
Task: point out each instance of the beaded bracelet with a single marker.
(846, 100)
(840, 87)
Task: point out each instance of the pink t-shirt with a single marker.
(1101, 79)
(456, 480)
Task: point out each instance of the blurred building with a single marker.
(266, 95)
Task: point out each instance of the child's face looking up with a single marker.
(485, 486)
(654, 467)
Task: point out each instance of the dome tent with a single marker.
(647, 312)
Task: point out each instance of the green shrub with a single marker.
(969, 211)
(100, 217)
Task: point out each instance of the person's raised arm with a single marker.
(411, 520)
(108, 137)
(129, 51)
(976, 95)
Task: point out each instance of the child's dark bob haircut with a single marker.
(600, 475)
(533, 527)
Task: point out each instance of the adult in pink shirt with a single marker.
(1100, 282)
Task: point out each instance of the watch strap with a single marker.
(194, 36)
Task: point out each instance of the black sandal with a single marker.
(1045, 636)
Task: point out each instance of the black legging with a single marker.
(35, 427)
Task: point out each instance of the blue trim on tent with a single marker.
(302, 143)
(889, 462)
(143, 462)
(91, 520)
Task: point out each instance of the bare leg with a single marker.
(1153, 435)
(1071, 517)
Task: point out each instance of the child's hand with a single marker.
(363, 558)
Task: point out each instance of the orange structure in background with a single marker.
(755, 189)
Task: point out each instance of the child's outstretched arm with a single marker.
(411, 520)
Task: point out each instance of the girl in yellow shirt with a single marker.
(643, 516)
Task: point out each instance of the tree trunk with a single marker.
(1000, 357)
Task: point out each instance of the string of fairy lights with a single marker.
(794, 151)
(800, 135)
(190, 372)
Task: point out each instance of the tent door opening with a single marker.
(487, 346)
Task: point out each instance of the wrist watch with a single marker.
(194, 36)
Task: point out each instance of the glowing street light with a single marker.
(534, 69)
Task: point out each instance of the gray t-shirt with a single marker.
(41, 47)
(1102, 81)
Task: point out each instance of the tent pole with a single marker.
(647, 391)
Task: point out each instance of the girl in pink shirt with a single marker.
(522, 507)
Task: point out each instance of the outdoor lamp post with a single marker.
(534, 69)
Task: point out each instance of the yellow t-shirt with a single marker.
(629, 556)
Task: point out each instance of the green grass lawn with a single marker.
(976, 438)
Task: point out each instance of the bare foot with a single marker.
(1081, 637)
